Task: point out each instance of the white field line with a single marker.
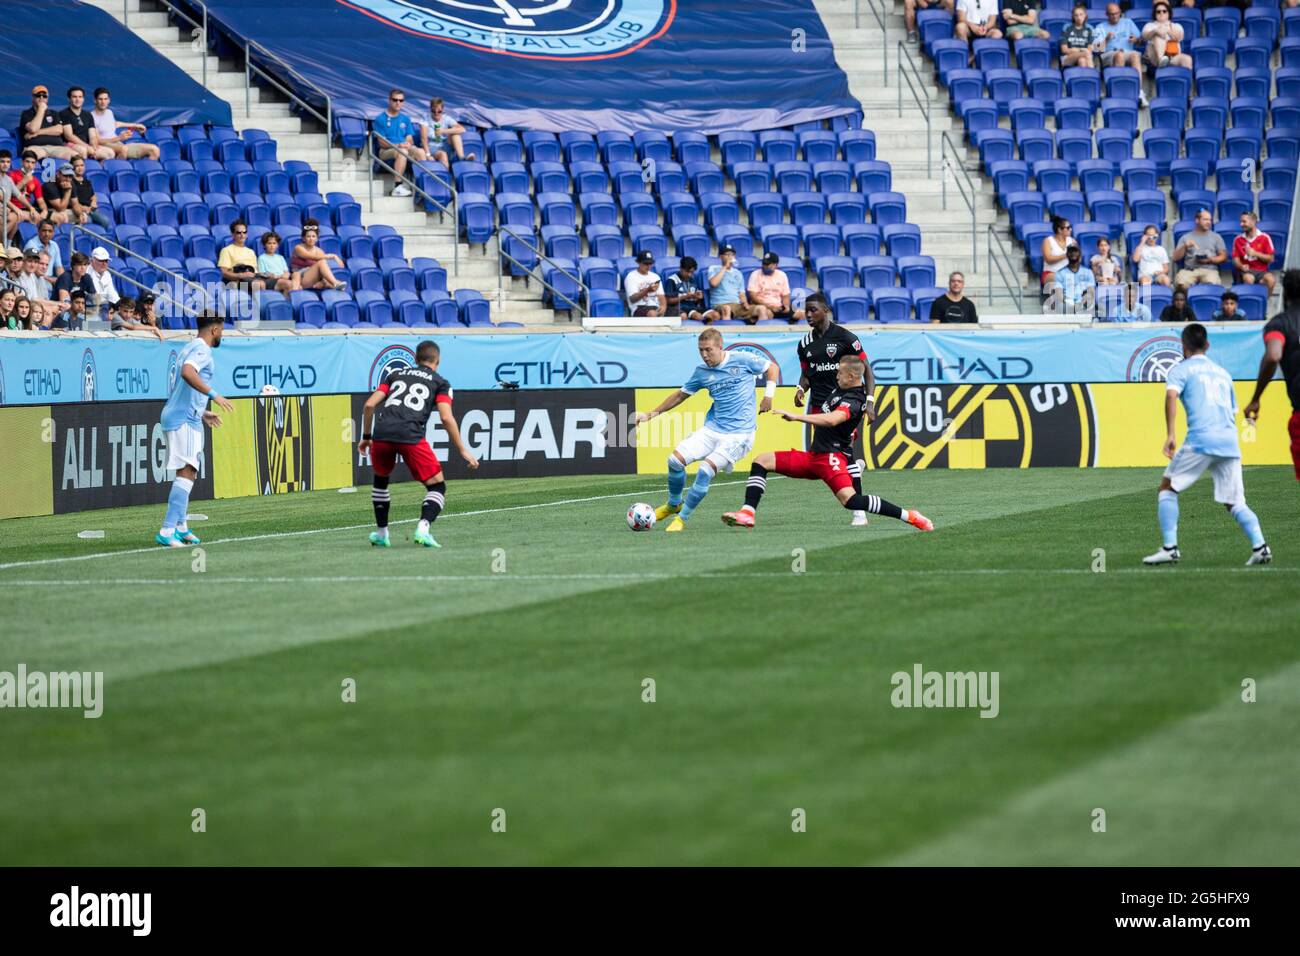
(352, 527)
(204, 579)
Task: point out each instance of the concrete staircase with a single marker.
(901, 141)
(304, 139)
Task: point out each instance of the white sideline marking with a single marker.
(350, 527)
(203, 579)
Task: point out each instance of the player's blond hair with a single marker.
(710, 335)
(854, 364)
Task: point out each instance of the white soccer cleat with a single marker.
(859, 519)
(1165, 555)
(1261, 555)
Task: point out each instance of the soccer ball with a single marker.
(640, 517)
(269, 389)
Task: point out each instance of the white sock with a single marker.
(422, 527)
(383, 533)
(166, 532)
(907, 514)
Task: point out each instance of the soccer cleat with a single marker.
(859, 519)
(919, 521)
(1261, 555)
(677, 524)
(187, 537)
(378, 540)
(739, 519)
(663, 511)
(170, 541)
(426, 539)
(1166, 555)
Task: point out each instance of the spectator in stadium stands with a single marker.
(116, 136)
(1178, 310)
(440, 131)
(17, 209)
(684, 296)
(1076, 39)
(1054, 248)
(909, 13)
(1201, 252)
(85, 204)
(8, 304)
(953, 307)
(74, 317)
(1211, 4)
(1252, 252)
(145, 308)
(77, 277)
(1164, 39)
(1106, 267)
(23, 317)
(1021, 19)
(396, 135)
(643, 288)
(1151, 259)
(125, 319)
(271, 267)
(42, 131)
(1131, 309)
(1227, 310)
(80, 124)
(61, 195)
(13, 264)
(30, 280)
(1114, 40)
(43, 241)
(101, 279)
(770, 288)
(977, 20)
(311, 263)
(238, 262)
(1076, 283)
(727, 290)
(29, 183)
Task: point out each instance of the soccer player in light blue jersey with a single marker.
(183, 418)
(1206, 392)
(728, 432)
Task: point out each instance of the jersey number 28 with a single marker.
(415, 398)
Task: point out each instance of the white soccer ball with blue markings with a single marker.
(640, 517)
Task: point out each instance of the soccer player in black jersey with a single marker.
(1282, 347)
(405, 399)
(835, 427)
(819, 357)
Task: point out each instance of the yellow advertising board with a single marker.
(27, 479)
(272, 445)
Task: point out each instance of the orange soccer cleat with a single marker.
(919, 521)
(739, 519)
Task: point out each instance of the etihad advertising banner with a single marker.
(50, 370)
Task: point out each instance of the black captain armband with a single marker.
(367, 436)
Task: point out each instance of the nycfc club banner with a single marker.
(113, 454)
(40, 371)
(517, 434)
(587, 65)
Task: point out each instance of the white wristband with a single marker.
(769, 389)
(871, 399)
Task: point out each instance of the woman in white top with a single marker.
(1054, 249)
(1151, 259)
(1159, 34)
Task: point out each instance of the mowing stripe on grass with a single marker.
(351, 527)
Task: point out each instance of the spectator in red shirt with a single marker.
(29, 184)
(1252, 252)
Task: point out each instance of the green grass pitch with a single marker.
(522, 690)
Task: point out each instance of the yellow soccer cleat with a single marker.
(677, 524)
(664, 511)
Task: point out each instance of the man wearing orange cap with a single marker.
(42, 129)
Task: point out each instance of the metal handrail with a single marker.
(501, 252)
(453, 210)
(1016, 290)
(879, 13)
(180, 11)
(965, 186)
(327, 118)
(905, 60)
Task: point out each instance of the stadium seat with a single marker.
(857, 145)
(834, 272)
(1051, 175)
(876, 272)
(892, 305)
(850, 305)
(900, 239)
(863, 240)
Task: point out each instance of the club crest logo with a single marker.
(534, 29)
(173, 371)
(1153, 359)
(753, 348)
(390, 360)
(831, 350)
(89, 384)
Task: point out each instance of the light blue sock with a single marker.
(676, 480)
(178, 503)
(1167, 511)
(698, 489)
(1249, 524)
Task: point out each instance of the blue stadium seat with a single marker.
(834, 272)
(991, 54)
(1082, 83)
(1253, 81)
(557, 209)
(1095, 174)
(598, 209)
(876, 272)
(720, 209)
(965, 85)
(473, 307)
(652, 238)
(820, 240)
(737, 146)
(818, 146)
(1044, 85)
(1009, 176)
(1209, 111)
(780, 238)
(1119, 114)
(1252, 301)
(1203, 144)
(429, 274)
(1161, 146)
(1034, 145)
(690, 147)
(1249, 112)
(1066, 202)
(916, 272)
(1033, 54)
(1192, 201)
(1122, 82)
(995, 145)
(1285, 112)
(1214, 82)
(705, 177)
(1074, 145)
(1275, 204)
(857, 145)
(834, 176)
(752, 177)
(1148, 207)
(900, 239)
(887, 208)
(476, 218)
(764, 209)
(693, 241)
(1026, 207)
(1284, 144)
(1004, 85)
(1204, 299)
(793, 176)
(604, 241)
(1232, 203)
(850, 305)
(1051, 175)
(1106, 206)
(541, 146)
(1114, 145)
(511, 178)
(1186, 175)
(1026, 114)
(1253, 53)
(807, 208)
(1244, 143)
(604, 303)
(847, 208)
(863, 240)
(892, 305)
(599, 274)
